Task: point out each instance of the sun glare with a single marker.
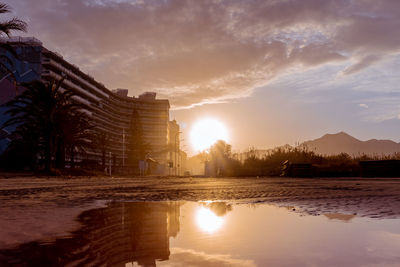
(206, 132)
(207, 220)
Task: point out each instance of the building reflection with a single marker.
(136, 232)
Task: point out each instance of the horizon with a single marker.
(200, 132)
(331, 66)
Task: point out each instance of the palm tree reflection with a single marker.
(136, 233)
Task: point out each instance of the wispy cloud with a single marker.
(211, 51)
(361, 64)
(381, 107)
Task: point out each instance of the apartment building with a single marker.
(110, 111)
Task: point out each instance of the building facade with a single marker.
(110, 111)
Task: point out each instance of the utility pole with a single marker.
(176, 151)
(180, 158)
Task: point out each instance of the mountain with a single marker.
(331, 144)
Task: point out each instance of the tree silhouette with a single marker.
(220, 154)
(76, 135)
(101, 142)
(14, 24)
(21, 152)
(6, 27)
(52, 116)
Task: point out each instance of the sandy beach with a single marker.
(34, 208)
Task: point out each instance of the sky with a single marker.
(274, 72)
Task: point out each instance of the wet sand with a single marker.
(33, 208)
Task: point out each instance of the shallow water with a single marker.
(216, 234)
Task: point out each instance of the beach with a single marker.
(36, 208)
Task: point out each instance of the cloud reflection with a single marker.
(188, 257)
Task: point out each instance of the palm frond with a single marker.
(4, 8)
(14, 24)
(52, 115)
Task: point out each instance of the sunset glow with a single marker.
(207, 220)
(200, 133)
(206, 132)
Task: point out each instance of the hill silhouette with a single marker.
(332, 144)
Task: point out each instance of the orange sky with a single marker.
(275, 72)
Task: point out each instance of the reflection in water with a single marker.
(207, 220)
(131, 234)
(219, 208)
(209, 217)
(112, 236)
(339, 216)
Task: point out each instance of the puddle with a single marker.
(215, 234)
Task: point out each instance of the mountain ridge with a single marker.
(342, 142)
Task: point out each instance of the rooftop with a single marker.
(121, 93)
(18, 39)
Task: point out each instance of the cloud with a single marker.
(382, 248)
(186, 257)
(381, 107)
(196, 52)
(363, 105)
(361, 64)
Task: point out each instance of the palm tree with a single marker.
(52, 115)
(102, 141)
(6, 27)
(76, 135)
(14, 24)
(21, 152)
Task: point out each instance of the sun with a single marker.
(206, 132)
(207, 220)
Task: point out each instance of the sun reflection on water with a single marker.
(207, 221)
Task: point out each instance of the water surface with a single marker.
(216, 234)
